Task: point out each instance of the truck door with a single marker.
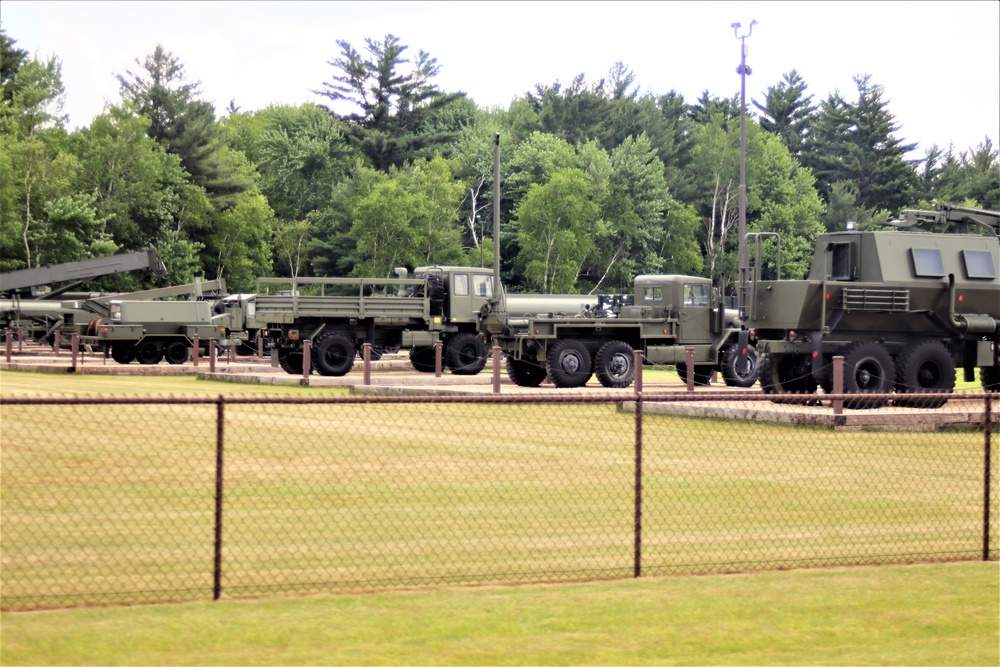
(468, 291)
(696, 315)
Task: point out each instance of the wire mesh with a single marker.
(124, 501)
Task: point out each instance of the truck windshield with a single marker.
(696, 295)
(483, 285)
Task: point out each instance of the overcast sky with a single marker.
(939, 62)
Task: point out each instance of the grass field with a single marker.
(396, 494)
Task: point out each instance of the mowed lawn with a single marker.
(943, 614)
(918, 614)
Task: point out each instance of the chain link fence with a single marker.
(169, 499)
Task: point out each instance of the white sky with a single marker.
(939, 62)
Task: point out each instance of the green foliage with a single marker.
(555, 224)
(242, 242)
(399, 113)
(787, 111)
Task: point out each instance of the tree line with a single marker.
(599, 182)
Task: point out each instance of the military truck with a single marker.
(666, 316)
(150, 329)
(905, 307)
(339, 315)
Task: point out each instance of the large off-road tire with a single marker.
(785, 375)
(924, 368)
(422, 359)
(333, 354)
(465, 354)
(614, 364)
(568, 364)
(868, 369)
(149, 353)
(740, 370)
(177, 352)
(525, 373)
(123, 353)
(989, 377)
(290, 360)
(702, 374)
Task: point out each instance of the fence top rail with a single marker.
(667, 397)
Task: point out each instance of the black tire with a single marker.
(465, 354)
(614, 364)
(989, 377)
(868, 369)
(422, 359)
(568, 364)
(702, 375)
(149, 353)
(787, 374)
(176, 353)
(739, 370)
(123, 353)
(290, 360)
(525, 373)
(924, 368)
(333, 354)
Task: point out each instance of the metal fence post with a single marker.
(220, 430)
(987, 478)
(56, 339)
(306, 360)
(838, 385)
(211, 355)
(260, 345)
(637, 538)
(689, 363)
(496, 369)
(637, 366)
(195, 348)
(366, 355)
(437, 358)
(9, 344)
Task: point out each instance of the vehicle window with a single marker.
(653, 294)
(927, 262)
(483, 285)
(461, 284)
(696, 295)
(979, 264)
(841, 261)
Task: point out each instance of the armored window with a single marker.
(840, 261)
(461, 284)
(696, 295)
(653, 294)
(927, 262)
(979, 264)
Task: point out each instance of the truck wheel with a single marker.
(702, 374)
(615, 364)
(464, 354)
(123, 353)
(525, 373)
(290, 361)
(785, 374)
(868, 369)
(177, 353)
(739, 370)
(422, 359)
(149, 353)
(568, 364)
(925, 367)
(333, 354)
(989, 377)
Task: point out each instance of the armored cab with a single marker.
(905, 307)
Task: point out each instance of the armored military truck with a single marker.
(665, 316)
(905, 307)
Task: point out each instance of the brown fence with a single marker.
(161, 499)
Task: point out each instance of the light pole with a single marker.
(743, 71)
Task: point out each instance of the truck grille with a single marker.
(876, 299)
